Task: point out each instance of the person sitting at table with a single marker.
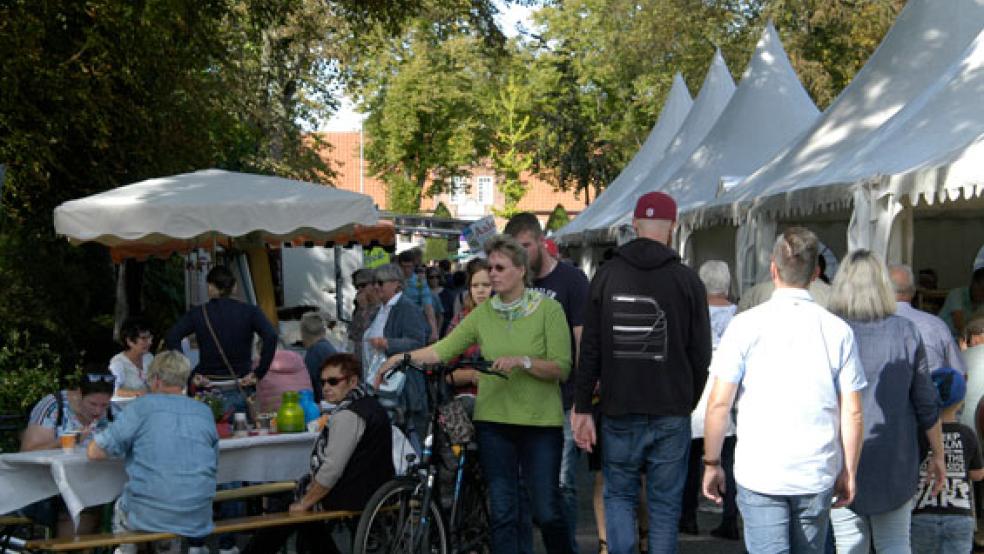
(81, 412)
(130, 365)
(962, 302)
(287, 373)
(350, 460)
(171, 451)
(314, 329)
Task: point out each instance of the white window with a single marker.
(485, 189)
(460, 190)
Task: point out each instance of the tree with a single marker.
(558, 218)
(510, 145)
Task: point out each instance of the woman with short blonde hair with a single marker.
(900, 403)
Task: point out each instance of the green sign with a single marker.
(375, 257)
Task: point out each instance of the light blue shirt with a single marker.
(941, 349)
(791, 359)
(171, 454)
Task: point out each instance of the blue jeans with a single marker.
(942, 534)
(776, 523)
(568, 480)
(568, 467)
(505, 450)
(658, 446)
(888, 532)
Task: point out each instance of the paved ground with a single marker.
(704, 543)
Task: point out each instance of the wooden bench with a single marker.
(235, 525)
(262, 489)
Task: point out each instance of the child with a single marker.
(945, 523)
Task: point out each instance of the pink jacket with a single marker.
(287, 373)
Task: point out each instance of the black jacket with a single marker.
(371, 463)
(646, 336)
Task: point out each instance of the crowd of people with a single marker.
(821, 415)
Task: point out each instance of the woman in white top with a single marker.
(130, 365)
(717, 280)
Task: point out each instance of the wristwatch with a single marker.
(527, 363)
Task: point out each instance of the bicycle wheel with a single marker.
(393, 520)
(471, 528)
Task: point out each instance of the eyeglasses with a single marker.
(146, 336)
(97, 377)
(334, 381)
(361, 286)
(499, 268)
(380, 283)
(429, 277)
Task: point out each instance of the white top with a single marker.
(128, 375)
(790, 358)
(373, 358)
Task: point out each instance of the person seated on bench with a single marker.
(82, 411)
(171, 453)
(350, 460)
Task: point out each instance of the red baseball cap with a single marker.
(655, 205)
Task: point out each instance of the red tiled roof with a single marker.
(541, 198)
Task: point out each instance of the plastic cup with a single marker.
(68, 441)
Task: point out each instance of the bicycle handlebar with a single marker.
(477, 363)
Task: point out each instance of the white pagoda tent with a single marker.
(675, 109)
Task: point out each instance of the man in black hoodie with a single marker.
(647, 341)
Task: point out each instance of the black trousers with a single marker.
(695, 473)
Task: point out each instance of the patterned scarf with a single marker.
(523, 306)
(361, 390)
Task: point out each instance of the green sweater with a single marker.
(522, 399)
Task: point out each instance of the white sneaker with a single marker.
(233, 550)
(125, 549)
(198, 550)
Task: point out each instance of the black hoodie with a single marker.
(647, 334)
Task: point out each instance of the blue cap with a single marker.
(951, 385)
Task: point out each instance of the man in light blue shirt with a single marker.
(941, 348)
(416, 290)
(794, 369)
(171, 452)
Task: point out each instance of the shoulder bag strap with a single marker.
(225, 360)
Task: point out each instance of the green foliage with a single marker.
(442, 211)
(28, 371)
(435, 248)
(510, 148)
(558, 218)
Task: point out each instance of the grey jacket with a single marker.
(403, 330)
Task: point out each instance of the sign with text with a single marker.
(478, 232)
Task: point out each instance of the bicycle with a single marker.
(406, 515)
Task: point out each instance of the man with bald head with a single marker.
(647, 342)
(941, 349)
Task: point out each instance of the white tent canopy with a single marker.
(675, 109)
(713, 97)
(768, 110)
(809, 175)
(199, 207)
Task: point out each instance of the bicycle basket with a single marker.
(455, 422)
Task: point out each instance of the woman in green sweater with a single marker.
(519, 419)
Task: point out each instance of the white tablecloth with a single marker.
(27, 477)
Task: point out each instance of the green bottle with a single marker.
(290, 416)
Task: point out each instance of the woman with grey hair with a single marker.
(900, 403)
(519, 419)
(397, 326)
(717, 280)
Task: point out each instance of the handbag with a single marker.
(250, 399)
(455, 421)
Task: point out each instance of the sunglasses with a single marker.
(334, 381)
(498, 268)
(429, 277)
(361, 286)
(97, 377)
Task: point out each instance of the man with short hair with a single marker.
(569, 286)
(161, 457)
(319, 348)
(941, 348)
(795, 370)
(416, 290)
(647, 341)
